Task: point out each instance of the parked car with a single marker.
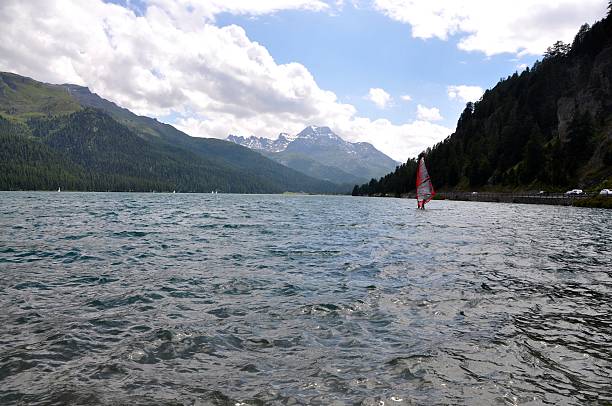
(574, 192)
(606, 192)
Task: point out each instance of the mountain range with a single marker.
(66, 136)
(320, 153)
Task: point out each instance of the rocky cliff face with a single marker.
(590, 93)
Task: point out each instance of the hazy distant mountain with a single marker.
(319, 152)
(64, 135)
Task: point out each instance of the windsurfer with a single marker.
(424, 189)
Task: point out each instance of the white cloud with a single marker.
(195, 11)
(464, 93)
(163, 61)
(379, 97)
(522, 66)
(406, 97)
(493, 27)
(428, 114)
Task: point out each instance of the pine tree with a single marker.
(559, 48)
(584, 29)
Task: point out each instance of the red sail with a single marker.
(424, 188)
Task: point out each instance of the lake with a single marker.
(125, 298)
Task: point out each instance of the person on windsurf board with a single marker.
(424, 189)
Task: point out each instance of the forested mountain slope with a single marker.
(547, 127)
(65, 136)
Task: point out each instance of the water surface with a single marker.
(249, 299)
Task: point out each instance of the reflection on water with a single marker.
(231, 299)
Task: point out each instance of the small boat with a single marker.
(174, 191)
(424, 189)
(59, 189)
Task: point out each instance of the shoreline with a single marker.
(591, 200)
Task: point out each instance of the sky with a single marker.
(395, 73)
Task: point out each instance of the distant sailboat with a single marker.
(424, 189)
(59, 189)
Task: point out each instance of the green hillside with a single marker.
(23, 97)
(64, 136)
(549, 127)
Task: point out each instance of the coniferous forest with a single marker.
(63, 136)
(548, 127)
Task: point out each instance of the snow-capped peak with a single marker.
(319, 152)
(311, 135)
(287, 136)
(263, 144)
(315, 132)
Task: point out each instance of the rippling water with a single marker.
(247, 300)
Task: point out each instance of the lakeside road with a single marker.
(558, 199)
